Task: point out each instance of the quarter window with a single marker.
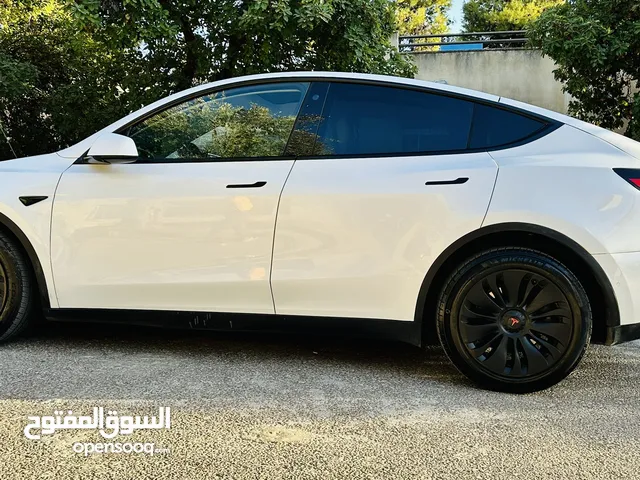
(366, 119)
(494, 127)
(253, 121)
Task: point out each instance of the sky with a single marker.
(455, 13)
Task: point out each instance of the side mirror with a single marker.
(112, 148)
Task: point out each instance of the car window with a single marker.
(368, 119)
(494, 127)
(303, 138)
(252, 121)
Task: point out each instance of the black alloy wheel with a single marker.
(514, 319)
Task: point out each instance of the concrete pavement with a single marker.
(269, 406)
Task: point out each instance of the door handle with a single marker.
(457, 181)
(247, 185)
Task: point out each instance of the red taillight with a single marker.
(631, 175)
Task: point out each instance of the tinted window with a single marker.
(367, 119)
(493, 127)
(253, 121)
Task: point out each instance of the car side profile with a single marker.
(410, 209)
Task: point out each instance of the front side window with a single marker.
(368, 119)
(244, 122)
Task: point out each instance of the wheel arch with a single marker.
(10, 228)
(596, 283)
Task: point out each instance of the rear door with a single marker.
(389, 185)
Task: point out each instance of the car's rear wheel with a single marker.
(17, 290)
(514, 319)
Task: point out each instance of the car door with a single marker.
(189, 225)
(390, 185)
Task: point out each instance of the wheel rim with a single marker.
(515, 323)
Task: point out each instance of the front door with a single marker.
(189, 226)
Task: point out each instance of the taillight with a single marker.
(631, 175)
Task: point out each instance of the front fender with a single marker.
(31, 225)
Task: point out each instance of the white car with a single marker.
(362, 203)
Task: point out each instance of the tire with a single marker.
(17, 290)
(514, 320)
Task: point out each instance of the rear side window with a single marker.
(369, 119)
(494, 127)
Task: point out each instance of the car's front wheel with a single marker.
(17, 290)
(514, 319)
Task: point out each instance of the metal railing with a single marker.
(462, 41)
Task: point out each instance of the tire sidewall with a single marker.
(17, 305)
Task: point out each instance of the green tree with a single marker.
(192, 41)
(596, 44)
(501, 15)
(69, 67)
(57, 84)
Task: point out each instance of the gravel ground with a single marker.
(266, 406)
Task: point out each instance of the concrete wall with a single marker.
(519, 74)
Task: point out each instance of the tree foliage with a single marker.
(422, 17)
(596, 44)
(69, 67)
(501, 15)
(55, 81)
